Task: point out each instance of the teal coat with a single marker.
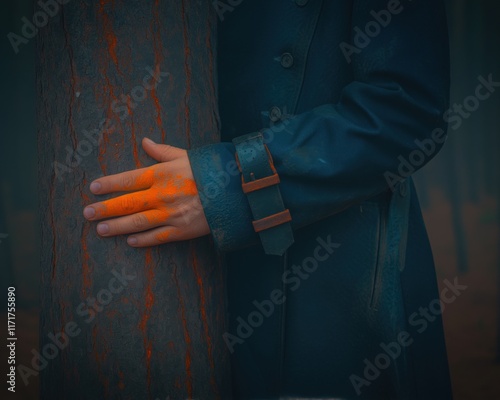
(350, 97)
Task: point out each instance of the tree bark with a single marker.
(122, 322)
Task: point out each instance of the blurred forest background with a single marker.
(459, 191)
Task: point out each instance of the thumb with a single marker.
(161, 152)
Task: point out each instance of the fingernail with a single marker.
(102, 229)
(89, 212)
(132, 241)
(149, 141)
(95, 186)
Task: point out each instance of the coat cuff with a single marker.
(225, 205)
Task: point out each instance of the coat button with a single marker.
(301, 3)
(286, 60)
(275, 114)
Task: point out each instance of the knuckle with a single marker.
(139, 221)
(128, 203)
(127, 181)
(166, 150)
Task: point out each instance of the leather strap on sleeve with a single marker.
(259, 181)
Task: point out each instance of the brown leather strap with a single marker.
(271, 221)
(261, 183)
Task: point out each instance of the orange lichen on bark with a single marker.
(121, 383)
(204, 320)
(135, 151)
(100, 357)
(159, 121)
(86, 268)
(187, 337)
(158, 49)
(187, 69)
(109, 34)
(112, 42)
(107, 53)
(149, 302)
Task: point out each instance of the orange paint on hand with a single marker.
(159, 197)
(163, 236)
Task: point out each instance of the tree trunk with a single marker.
(119, 322)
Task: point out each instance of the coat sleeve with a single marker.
(387, 124)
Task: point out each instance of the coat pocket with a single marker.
(391, 252)
(379, 257)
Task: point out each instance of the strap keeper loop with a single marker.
(272, 221)
(258, 184)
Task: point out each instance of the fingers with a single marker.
(144, 212)
(124, 182)
(122, 205)
(154, 237)
(161, 152)
(138, 222)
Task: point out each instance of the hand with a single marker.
(163, 206)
